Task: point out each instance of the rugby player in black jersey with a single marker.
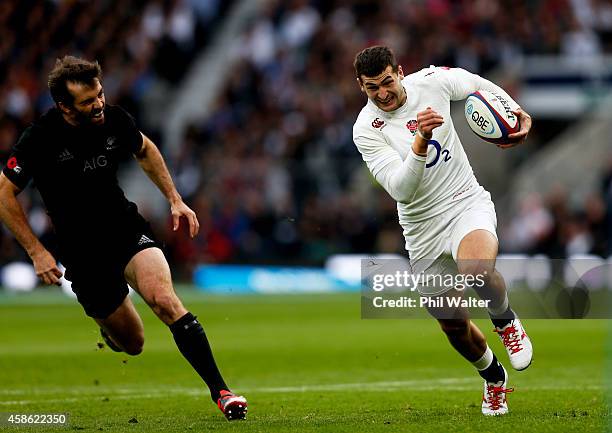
(71, 154)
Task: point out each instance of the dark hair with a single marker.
(70, 68)
(373, 61)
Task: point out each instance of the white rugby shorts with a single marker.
(438, 240)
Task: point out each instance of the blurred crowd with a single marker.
(135, 41)
(273, 172)
(550, 225)
(138, 43)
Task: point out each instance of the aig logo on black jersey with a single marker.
(95, 162)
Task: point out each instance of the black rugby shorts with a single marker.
(95, 264)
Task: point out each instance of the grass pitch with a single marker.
(305, 363)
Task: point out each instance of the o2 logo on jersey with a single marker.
(445, 154)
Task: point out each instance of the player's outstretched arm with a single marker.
(13, 217)
(152, 163)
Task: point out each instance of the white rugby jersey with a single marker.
(423, 187)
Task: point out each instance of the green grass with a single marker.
(306, 364)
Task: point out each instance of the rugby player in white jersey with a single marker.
(406, 137)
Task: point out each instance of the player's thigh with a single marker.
(124, 325)
(473, 237)
(149, 274)
(477, 253)
(478, 244)
(98, 283)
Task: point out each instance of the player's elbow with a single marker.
(402, 193)
(401, 186)
(404, 198)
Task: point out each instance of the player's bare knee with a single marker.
(133, 350)
(480, 270)
(135, 345)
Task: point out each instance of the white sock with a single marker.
(501, 309)
(484, 361)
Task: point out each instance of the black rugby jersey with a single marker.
(75, 168)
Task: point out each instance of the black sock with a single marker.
(493, 373)
(193, 344)
(504, 318)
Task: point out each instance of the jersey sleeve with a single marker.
(400, 178)
(132, 136)
(459, 83)
(19, 167)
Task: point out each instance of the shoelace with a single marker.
(510, 339)
(495, 394)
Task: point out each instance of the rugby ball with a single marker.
(490, 117)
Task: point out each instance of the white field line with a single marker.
(98, 393)
(365, 386)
